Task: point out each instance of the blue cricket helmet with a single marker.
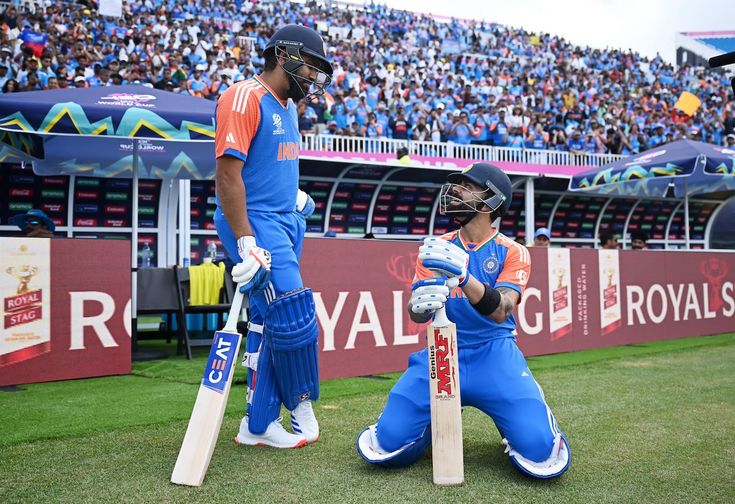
(301, 39)
(490, 177)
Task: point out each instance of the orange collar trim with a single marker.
(274, 95)
(478, 246)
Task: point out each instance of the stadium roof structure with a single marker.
(102, 131)
(116, 131)
(704, 44)
(691, 168)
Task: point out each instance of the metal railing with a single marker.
(450, 150)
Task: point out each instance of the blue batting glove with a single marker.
(445, 258)
(429, 295)
(258, 283)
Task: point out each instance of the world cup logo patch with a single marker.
(491, 265)
(278, 125)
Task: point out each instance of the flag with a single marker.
(34, 40)
(688, 103)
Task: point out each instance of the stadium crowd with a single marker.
(397, 74)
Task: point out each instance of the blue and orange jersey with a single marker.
(497, 261)
(255, 126)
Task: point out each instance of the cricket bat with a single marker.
(209, 408)
(446, 408)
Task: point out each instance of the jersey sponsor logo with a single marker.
(230, 138)
(288, 151)
(491, 265)
(278, 125)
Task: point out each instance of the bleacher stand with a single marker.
(422, 77)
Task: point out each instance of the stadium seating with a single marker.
(432, 69)
(402, 63)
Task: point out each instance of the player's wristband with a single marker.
(489, 302)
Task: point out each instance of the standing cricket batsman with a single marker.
(491, 272)
(261, 219)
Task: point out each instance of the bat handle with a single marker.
(235, 309)
(440, 318)
(440, 315)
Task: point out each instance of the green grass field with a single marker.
(647, 423)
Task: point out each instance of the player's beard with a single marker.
(462, 219)
(461, 214)
(295, 89)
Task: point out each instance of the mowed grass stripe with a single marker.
(651, 428)
(165, 390)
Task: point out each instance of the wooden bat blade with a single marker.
(209, 409)
(446, 407)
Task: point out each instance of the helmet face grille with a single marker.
(499, 195)
(490, 201)
(451, 204)
(291, 51)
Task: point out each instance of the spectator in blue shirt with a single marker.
(499, 130)
(538, 139)
(576, 144)
(373, 93)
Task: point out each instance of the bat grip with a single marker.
(235, 309)
(440, 315)
(440, 318)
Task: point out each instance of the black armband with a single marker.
(489, 302)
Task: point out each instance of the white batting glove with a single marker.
(304, 204)
(429, 295)
(253, 258)
(445, 258)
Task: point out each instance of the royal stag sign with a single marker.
(66, 309)
(575, 299)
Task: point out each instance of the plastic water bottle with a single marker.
(146, 255)
(212, 251)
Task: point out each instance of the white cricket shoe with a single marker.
(275, 435)
(304, 422)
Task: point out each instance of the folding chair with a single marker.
(183, 282)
